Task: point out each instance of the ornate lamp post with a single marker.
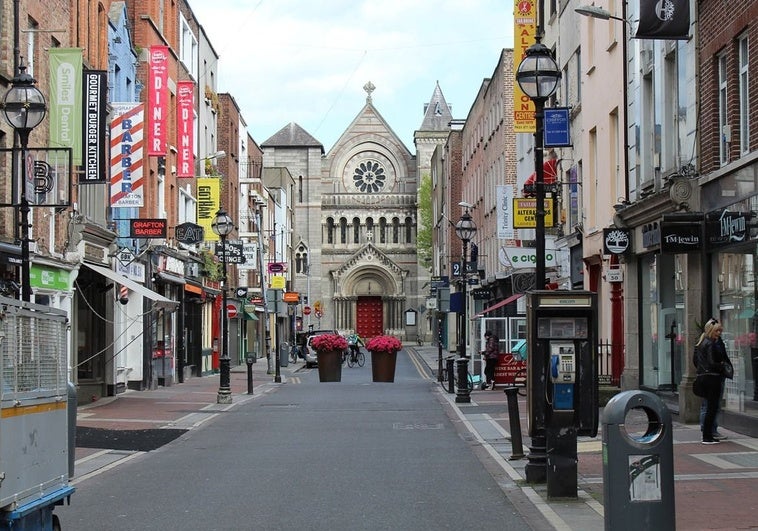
(465, 229)
(223, 225)
(538, 76)
(24, 109)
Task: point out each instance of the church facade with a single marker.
(356, 221)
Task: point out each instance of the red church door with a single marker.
(369, 317)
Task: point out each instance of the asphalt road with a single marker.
(348, 455)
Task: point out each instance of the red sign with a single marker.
(185, 158)
(307, 310)
(510, 370)
(147, 228)
(158, 101)
(231, 311)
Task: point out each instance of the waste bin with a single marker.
(284, 354)
(638, 468)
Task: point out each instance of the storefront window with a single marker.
(736, 287)
(662, 308)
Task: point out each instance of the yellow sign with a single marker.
(208, 203)
(525, 213)
(278, 282)
(525, 29)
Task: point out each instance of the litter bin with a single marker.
(284, 354)
(638, 468)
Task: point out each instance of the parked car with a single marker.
(308, 351)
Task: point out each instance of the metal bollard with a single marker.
(450, 362)
(517, 448)
(638, 471)
(463, 393)
(250, 360)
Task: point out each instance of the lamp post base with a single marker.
(224, 396)
(536, 468)
(463, 393)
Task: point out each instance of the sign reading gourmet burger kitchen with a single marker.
(147, 228)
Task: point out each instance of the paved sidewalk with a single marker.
(715, 485)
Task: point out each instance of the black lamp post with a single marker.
(465, 229)
(223, 225)
(24, 108)
(538, 76)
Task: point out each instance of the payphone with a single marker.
(562, 384)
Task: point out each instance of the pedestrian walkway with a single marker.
(714, 485)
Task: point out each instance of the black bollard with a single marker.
(450, 361)
(517, 448)
(463, 394)
(250, 360)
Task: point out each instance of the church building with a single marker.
(356, 220)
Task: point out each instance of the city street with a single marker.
(355, 455)
(309, 455)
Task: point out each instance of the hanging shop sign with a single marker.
(147, 228)
(616, 241)
(726, 227)
(681, 236)
(525, 213)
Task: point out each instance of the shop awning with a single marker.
(250, 312)
(159, 300)
(499, 305)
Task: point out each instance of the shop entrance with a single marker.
(369, 317)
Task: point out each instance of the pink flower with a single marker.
(384, 344)
(329, 343)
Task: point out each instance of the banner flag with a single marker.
(65, 108)
(95, 98)
(525, 30)
(127, 155)
(185, 118)
(157, 96)
(208, 203)
(505, 211)
(664, 19)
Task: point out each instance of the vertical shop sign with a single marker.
(157, 96)
(208, 203)
(127, 154)
(185, 114)
(525, 29)
(65, 107)
(95, 94)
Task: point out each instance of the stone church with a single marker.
(356, 220)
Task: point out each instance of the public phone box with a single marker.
(562, 370)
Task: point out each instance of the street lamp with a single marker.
(465, 229)
(538, 76)
(24, 109)
(223, 225)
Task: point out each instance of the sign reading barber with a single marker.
(147, 228)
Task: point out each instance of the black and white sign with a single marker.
(616, 241)
(232, 254)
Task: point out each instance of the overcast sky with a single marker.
(306, 61)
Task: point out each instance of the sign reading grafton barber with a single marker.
(158, 97)
(185, 158)
(147, 228)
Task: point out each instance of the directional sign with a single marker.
(231, 311)
(307, 310)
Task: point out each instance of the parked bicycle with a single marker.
(470, 380)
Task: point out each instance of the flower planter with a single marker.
(329, 365)
(383, 366)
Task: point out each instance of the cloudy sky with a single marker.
(306, 61)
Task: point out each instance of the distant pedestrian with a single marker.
(713, 367)
(491, 352)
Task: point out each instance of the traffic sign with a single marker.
(231, 311)
(307, 310)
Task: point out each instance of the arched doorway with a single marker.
(369, 316)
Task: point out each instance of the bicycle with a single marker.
(470, 379)
(356, 357)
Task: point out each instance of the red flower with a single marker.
(384, 344)
(329, 343)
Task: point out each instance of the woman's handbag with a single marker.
(728, 370)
